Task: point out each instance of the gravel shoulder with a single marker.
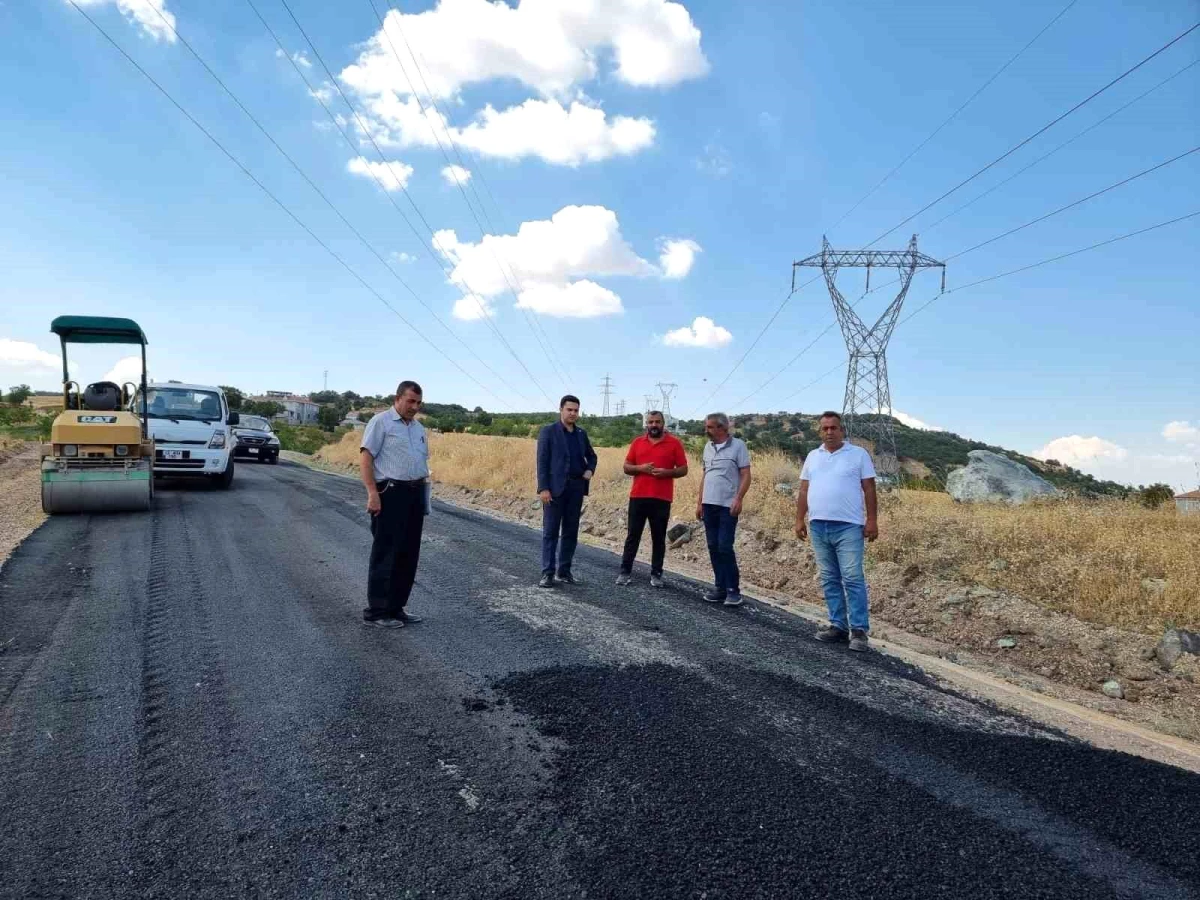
(20, 495)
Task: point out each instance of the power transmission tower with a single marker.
(666, 390)
(325, 386)
(620, 408)
(606, 386)
(867, 407)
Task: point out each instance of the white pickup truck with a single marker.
(192, 429)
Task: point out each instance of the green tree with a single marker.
(235, 397)
(1156, 495)
(324, 396)
(267, 408)
(18, 394)
(328, 417)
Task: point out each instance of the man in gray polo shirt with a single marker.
(724, 481)
(837, 481)
(394, 466)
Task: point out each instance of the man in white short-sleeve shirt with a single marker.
(837, 503)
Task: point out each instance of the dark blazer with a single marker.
(553, 462)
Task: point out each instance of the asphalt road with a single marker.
(190, 707)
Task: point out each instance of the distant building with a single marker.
(1189, 503)
(296, 410)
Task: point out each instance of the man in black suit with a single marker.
(565, 465)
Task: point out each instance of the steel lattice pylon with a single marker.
(867, 390)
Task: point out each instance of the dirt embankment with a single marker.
(20, 494)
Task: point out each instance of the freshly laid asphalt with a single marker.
(190, 707)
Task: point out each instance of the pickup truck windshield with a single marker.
(181, 403)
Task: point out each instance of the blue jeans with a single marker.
(720, 528)
(562, 514)
(838, 547)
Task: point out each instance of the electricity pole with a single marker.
(606, 387)
(867, 407)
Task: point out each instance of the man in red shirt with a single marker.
(655, 459)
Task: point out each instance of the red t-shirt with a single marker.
(668, 453)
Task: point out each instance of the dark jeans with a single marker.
(658, 513)
(562, 514)
(720, 528)
(395, 549)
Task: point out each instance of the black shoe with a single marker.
(547, 581)
(831, 635)
(858, 641)
(383, 622)
(568, 578)
(714, 597)
(734, 599)
(408, 618)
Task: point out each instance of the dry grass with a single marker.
(1094, 560)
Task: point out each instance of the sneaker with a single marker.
(858, 641)
(734, 599)
(547, 581)
(409, 618)
(568, 578)
(624, 579)
(714, 596)
(383, 623)
(656, 581)
(832, 635)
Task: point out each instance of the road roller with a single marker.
(100, 456)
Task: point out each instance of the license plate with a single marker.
(253, 449)
(172, 454)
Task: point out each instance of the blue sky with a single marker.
(650, 166)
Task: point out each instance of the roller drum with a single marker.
(96, 496)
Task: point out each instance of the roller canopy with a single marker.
(97, 330)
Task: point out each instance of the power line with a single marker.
(544, 344)
(245, 171)
(953, 115)
(383, 158)
(897, 168)
(1011, 231)
(296, 167)
(1065, 143)
(1035, 265)
(1041, 130)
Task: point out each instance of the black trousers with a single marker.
(658, 513)
(396, 547)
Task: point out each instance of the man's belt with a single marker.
(388, 482)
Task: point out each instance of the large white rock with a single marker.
(991, 478)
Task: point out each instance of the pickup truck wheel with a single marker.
(225, 479)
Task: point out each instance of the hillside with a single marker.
(927, 456)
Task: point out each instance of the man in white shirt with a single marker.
(394, 467)
(724, 481)
(836, 480)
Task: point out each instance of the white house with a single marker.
(296, 410)
(1189, 503)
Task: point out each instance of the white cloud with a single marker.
(392, 175)
(1181, 432)
(471, 308)
(582, 299)
(550, 46)
(564, 136)
(703, 332)
(1076, 450)
(127, 368)
(914, 422)
(301, 60)
(455, 175)
(553, 48)
(715, 161)
(403, 257)
(149, 15)
(323, 94)
(677, 257)
(546, 257)
(1106, 460)
(23, 356)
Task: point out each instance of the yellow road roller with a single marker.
(100, 456)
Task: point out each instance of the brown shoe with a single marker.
(831, 635)
(858, 641)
